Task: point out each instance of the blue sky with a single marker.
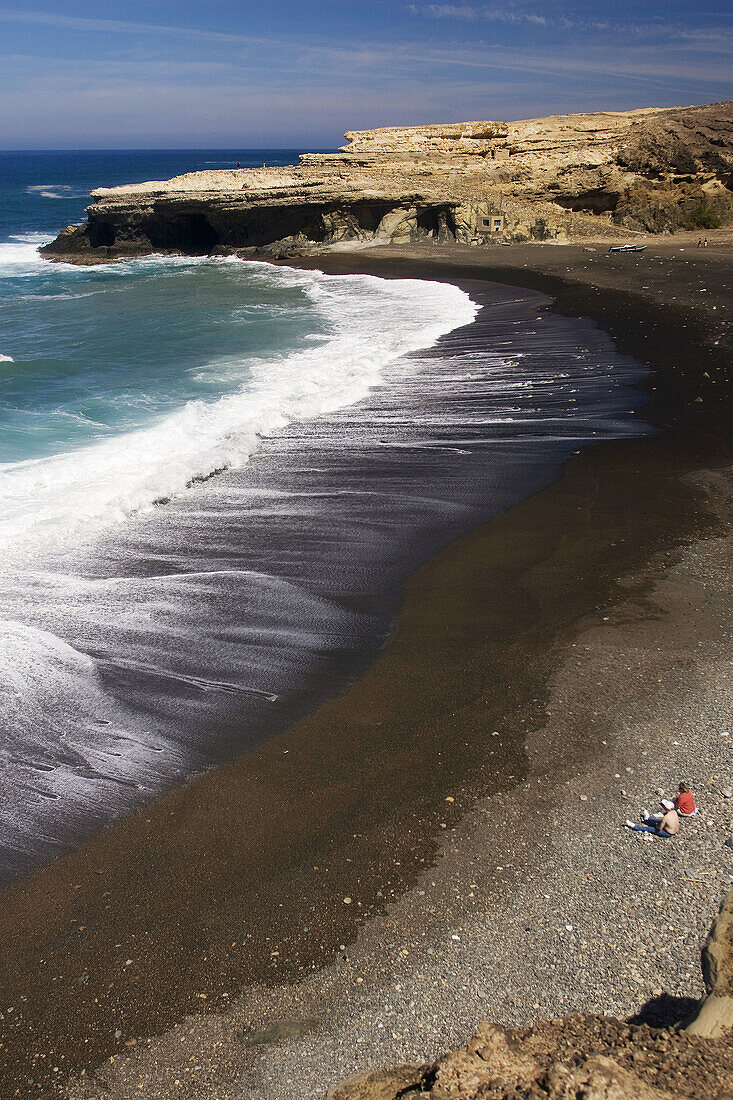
(297, 73)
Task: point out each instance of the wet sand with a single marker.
(670, 306)
(240, 878)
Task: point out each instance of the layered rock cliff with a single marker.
(651, 170)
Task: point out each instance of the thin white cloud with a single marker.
(452, 11)
(595, 62)
(235, 84)
(385, 69)
(497, 15)
(122, 26)
(515, 16)
(366, 55)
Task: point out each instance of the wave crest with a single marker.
(62, 500)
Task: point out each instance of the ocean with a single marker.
(215, 476)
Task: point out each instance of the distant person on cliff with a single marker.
(666, 826)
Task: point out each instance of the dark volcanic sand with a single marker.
(196, 889)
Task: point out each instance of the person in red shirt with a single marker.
(684, 802)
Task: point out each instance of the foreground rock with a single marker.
(583, 1057)
(652, 170)
(580, 1058)
(716, 1013)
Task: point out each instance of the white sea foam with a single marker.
(56, 191)
(41, 187)
(19, 255)
(67, 498)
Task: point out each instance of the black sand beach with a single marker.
(241, 878)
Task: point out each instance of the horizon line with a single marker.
(164, 149)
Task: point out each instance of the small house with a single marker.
(492, 223)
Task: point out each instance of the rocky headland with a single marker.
(564, 177)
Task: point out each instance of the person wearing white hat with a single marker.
(668, 826)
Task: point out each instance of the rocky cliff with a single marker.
(568, 176)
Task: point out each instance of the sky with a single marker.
(82, 74)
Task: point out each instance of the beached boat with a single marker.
(627, 248)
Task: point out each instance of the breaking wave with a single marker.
(60, 500)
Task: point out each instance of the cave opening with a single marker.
(369, 215)
(190, 233)
(596, 201)
(437, 222)
(101, 234)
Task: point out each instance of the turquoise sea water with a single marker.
(93, 352)
(120, 383)
(87, 353)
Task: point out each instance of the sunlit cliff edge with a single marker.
(559, 178)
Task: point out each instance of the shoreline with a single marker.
(585, 281)
(537, 549)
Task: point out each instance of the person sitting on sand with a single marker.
(684, 804)
(668, 825)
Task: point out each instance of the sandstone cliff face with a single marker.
(553, 178)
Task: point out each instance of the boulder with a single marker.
(493, 1067)
(491, 1058)
(716, 1011)
(598, 1078)
(380, 1084)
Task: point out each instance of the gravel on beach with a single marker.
(541, 903)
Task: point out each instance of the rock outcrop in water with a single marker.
(651, 170)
